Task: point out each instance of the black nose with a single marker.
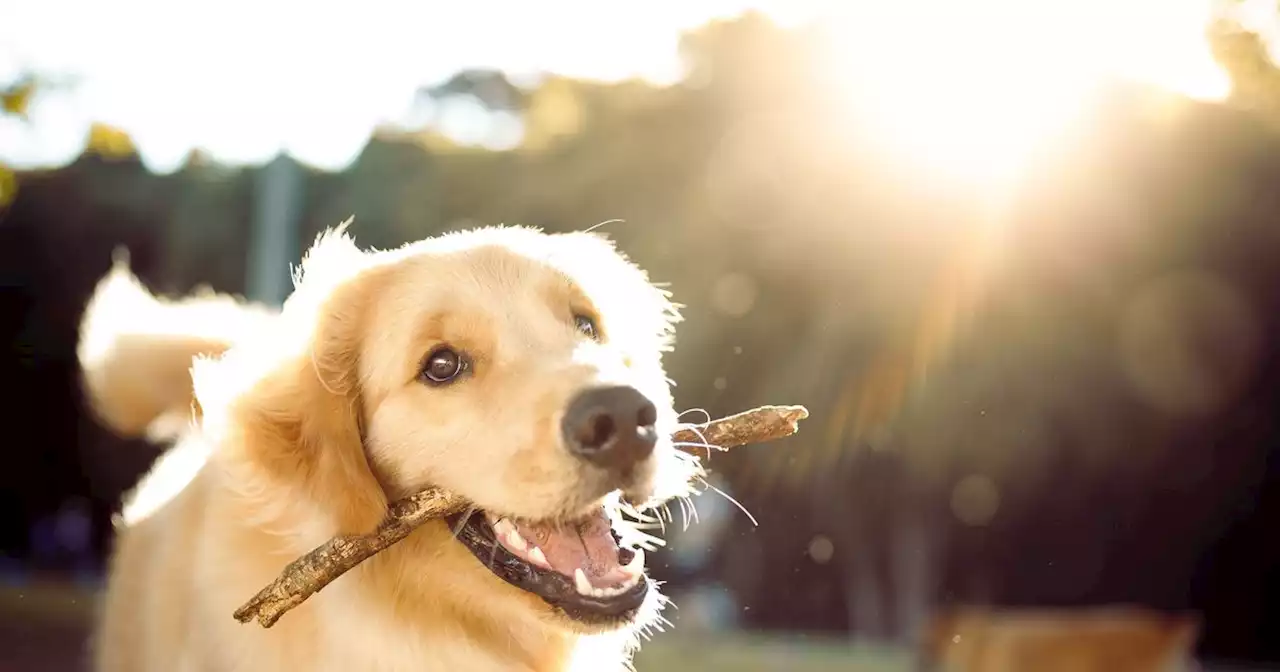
(611, 427)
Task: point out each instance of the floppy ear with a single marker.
(286, 413)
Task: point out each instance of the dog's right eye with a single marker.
(442, 366)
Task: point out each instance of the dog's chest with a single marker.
(360, 636)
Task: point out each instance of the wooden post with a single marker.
(277, 214)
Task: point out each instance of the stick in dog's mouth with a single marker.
(578, 567)
(305, 576)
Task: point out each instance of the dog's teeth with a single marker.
(507, 533)
(619, 589)
(635, 568)
(581, 583)
(538, 557)
(503, 528)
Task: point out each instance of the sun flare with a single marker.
(970, 90)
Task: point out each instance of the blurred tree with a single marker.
(16, 97)
(8, 185)
(109, 142)
(491, 87)
(554, 111)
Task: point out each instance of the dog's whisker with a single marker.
(493, 553)
(693, 507)
(698, 430)
(703, 411)
(593, 227)
(632, 534)
(733, 501)
(696, 444)
(650, 524)
(634, 512)
(705, 444)
(462, 522)
(693, 444)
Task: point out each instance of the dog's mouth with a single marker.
(576, 566)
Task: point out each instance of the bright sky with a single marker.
(974, 85)
(244, 79)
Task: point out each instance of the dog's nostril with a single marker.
(599, 431)
(647, 416)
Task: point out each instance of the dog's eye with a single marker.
(443, 365)
(586, 326)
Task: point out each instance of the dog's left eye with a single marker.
(443, 366)
(586, 326)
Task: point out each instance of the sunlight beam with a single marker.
(970, 90)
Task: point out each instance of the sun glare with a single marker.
(969, 90)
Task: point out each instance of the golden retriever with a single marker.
(519, 369)
(1077, 640)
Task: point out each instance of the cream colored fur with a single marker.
(308, 421)
(135, 349)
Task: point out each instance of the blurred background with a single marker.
(1020, 259)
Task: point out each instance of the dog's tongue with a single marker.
(588, 545)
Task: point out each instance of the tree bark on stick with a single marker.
(305, 576)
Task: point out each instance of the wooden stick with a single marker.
(305, 576)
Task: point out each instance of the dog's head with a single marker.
(518, 369)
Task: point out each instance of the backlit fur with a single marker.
(309, 421)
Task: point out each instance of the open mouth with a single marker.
(576, 566)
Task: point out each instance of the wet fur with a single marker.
(307, 422)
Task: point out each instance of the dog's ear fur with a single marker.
(286, 412)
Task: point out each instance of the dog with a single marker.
(973, 639)
(518, 369)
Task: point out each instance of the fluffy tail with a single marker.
(136, 349)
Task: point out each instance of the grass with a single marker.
(753, 653)
(65, 610)
(62, 606)
(48, 601)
